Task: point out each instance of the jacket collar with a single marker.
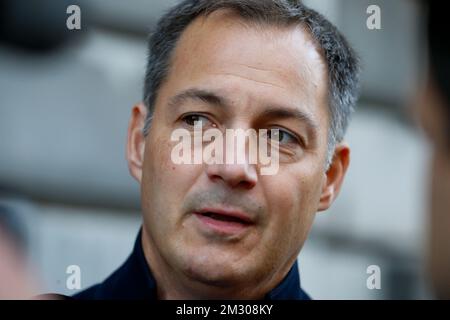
(134, 280)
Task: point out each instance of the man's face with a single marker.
(238, 77)
(434, 120)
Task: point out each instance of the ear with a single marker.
(136, 141)
(335, 176)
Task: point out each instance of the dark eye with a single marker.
(192, 119)
(280, 135)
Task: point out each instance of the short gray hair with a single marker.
(341, 60)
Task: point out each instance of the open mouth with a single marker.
(224, 222)
(222, 217)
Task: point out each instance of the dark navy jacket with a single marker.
(133, 280)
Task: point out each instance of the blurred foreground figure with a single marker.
(15, 282)
(434, 111)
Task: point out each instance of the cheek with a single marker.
(441, 181)
(439, 241)
(440, 203)
(293, 201)
(166, 183)
(157, 165)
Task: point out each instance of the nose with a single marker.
(236, 173)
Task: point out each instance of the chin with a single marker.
(215, 272)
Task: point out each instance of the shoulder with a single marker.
(51, 296)
(92, 293)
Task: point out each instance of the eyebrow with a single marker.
(202, 95)
(213, 98)
(280, 112)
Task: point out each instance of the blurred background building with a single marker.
(65, 101)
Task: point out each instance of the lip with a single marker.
(240, 220)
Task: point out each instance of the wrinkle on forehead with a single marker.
(267, 83)
(273, 33)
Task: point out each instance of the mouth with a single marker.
(226, 222)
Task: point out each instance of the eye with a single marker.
(282, 136)
(192, 119)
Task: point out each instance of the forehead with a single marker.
(270, 62)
